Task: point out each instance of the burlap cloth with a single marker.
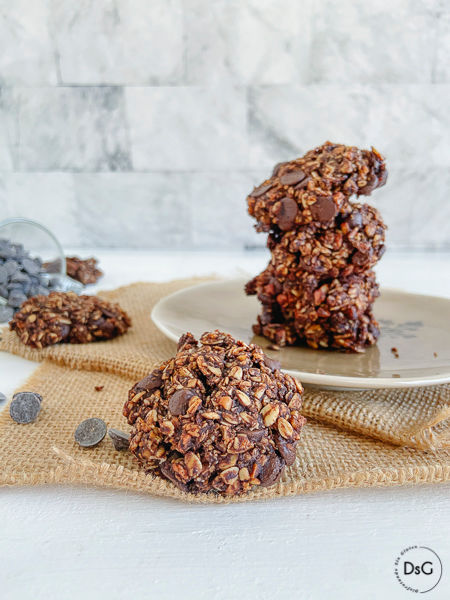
(340, 445)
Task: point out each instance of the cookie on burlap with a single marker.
(65, 317)
(219, 416)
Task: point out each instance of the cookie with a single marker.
(335, 314)
(355, 244)
(65, 317)
(315, 188)
(217, 417)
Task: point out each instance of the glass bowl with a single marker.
(41, 243)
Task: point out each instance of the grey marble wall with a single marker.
(145, 122)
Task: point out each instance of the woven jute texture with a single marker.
(337, 449)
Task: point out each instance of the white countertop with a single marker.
(67, 542)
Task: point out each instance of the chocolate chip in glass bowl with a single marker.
(6, 314)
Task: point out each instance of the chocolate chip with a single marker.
(302, 184)
(286, 211)
(120, 439)
(2, 398)
(11, 266)
(272, 471)
(277, 167)
(16, 298)
(6, 314)
(38, 396)
(292, 177)
(151, 382)
(286, 450)
(19, 277)
(260, 190)
(25, 407)
(90, 432)
(272, 363)
(179, 401)
(370, 186)
(255, 435)
(30, 266)
(324, 209)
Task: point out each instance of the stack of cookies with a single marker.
(319, 286)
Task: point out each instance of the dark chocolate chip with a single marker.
(151, 382)
(292, 177)
(11, 266)
(120, 439)
(90, 432)
(30, 266)
(167, 472)
(6, 314)
(25, 407)
(38, 396)
(323, 210)
(302, 184)
(255, 435)
(286, 450)
(271, 471)
(15, 298)
(19, 277)
(179, 401)
(272, 363)
(2, 398)
(277, 167)
(260, 190)
(369, 187)
(286, 212)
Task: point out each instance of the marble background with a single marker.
(129, 123)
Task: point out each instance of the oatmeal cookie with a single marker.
(355, 244)
(65, 317)
(219, 416)
(336, 313)
(316, 187)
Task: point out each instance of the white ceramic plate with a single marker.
(418, 326)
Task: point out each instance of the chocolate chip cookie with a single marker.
(66, 317)
(316, 187)
(319, 288)
(217, 417)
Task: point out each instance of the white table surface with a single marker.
(69, 542)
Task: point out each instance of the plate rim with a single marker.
(321, 379)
